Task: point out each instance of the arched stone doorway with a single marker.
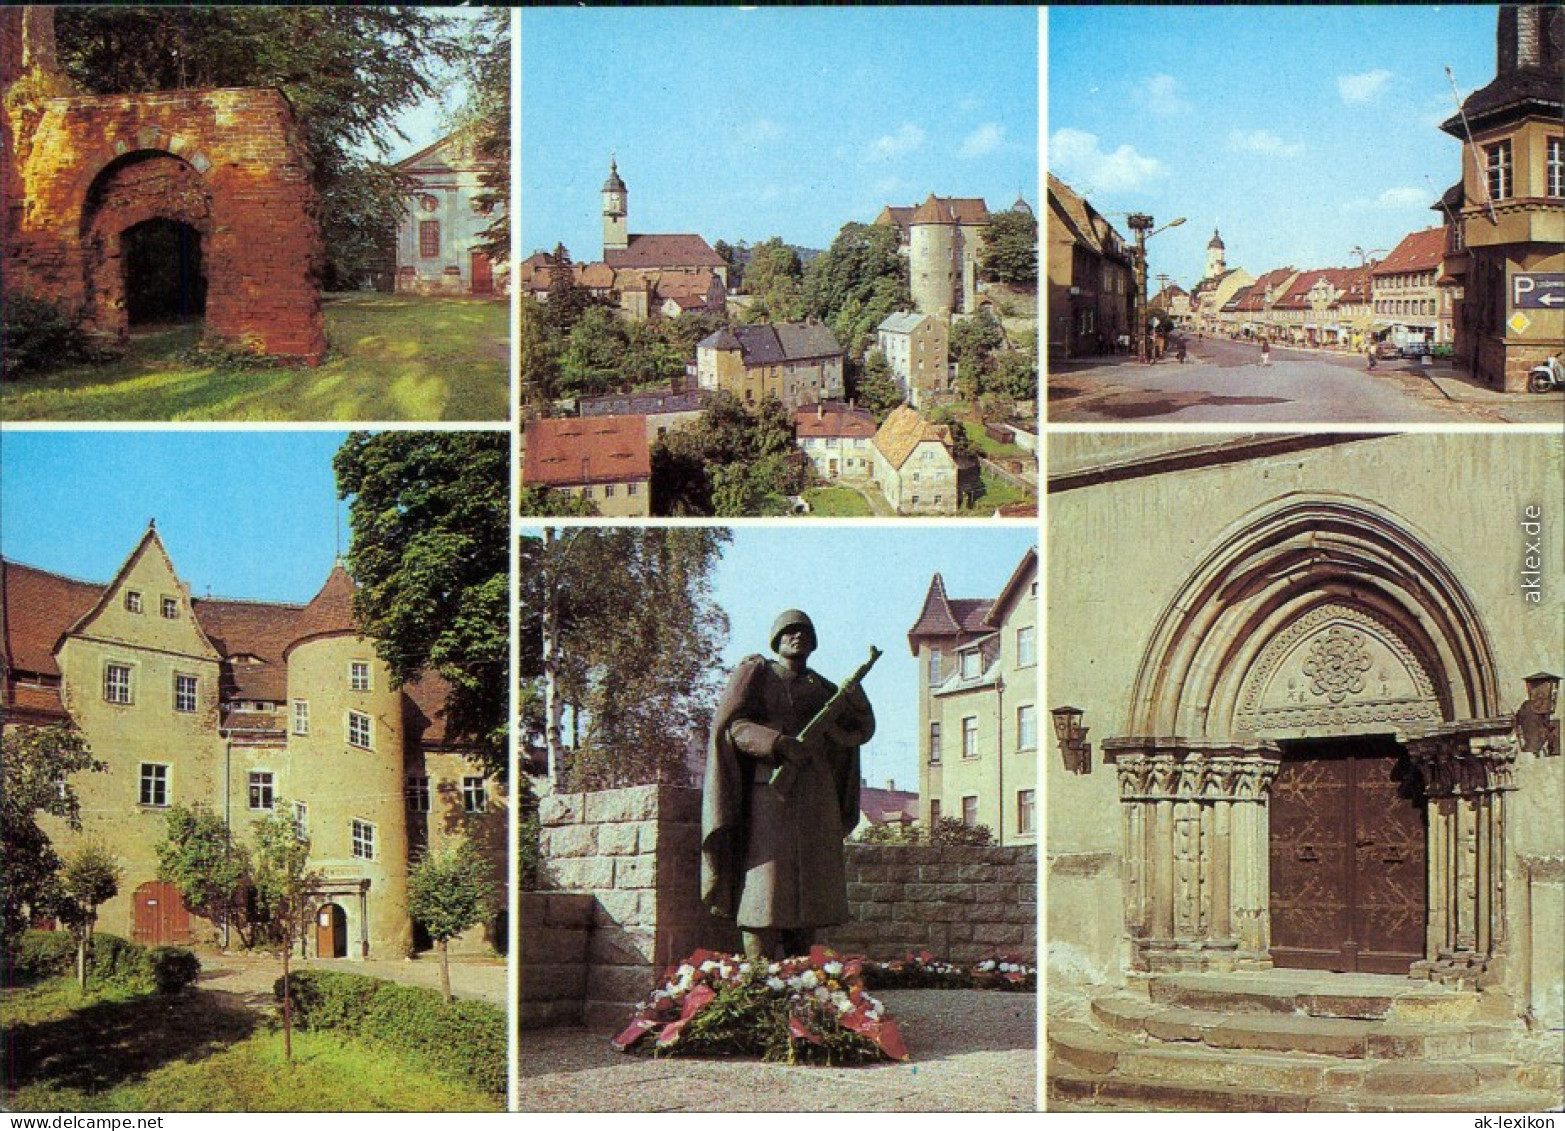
(1320, 639)
(164, 280)
(331, 931)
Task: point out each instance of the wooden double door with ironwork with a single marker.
(1348, 846)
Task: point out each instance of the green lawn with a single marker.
(196, 1051)
(998, 493)
(989, 446)
(392, 357)
(836, 502)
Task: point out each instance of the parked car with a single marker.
(1415, 349)
(1385, 350)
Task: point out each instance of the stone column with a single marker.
(1467, 770)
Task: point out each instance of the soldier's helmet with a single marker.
(792, 618)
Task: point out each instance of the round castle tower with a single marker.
(348, 768)
(932, 259)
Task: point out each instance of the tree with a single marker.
(450, 890)
(486, 120)
(546, 502)
(90, 878)
(566, 299)
(539, 367)
(199, 856)
(36, 764)
(348, 73)
(775, 276)
(877, 389)
(962, 446)
(430, 552)
(594, 352)
(1015, 375)
(283, 884)
(1009, 253)
(686, 462)
(627, 639)
(854, 284)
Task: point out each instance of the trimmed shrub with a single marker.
(173, 968)
(462, 1040)
(39, 334)
(39, 955)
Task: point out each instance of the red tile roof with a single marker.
(36, 609)
(833, 419)
(330, 612)
(571, 451)
(945, 616)
(882, 805)
(1420, 251)
(672, 250)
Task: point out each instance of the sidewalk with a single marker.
(971, 1050)
(251, 976)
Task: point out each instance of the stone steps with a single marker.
(1298, 1041)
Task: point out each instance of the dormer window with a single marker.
(170, 608)
(970, 661)
(132, 601)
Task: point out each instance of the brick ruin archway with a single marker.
(227, 163)
(1318, 618)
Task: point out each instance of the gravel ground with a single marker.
(970, 1050)
(251, 976)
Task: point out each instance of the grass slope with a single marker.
(392, 357)
(196, 1051)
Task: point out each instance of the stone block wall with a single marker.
(961, 903)
(630, 861)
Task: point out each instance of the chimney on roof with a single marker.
(1524, 37)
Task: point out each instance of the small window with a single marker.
(970, 737)
(301, 716)
(359, 676)
(1027, 727)
(1497, 163)
(970, 664)
(116, 683)
(970, 810)
(475, 797)
(608, 490)
(363, 839)
(132, 601)
(184, 693)
(934, 811)
(417, 793)
(359, 729)
(429, 239)
(154, 785)
(1026, 812)
(1026, 648)
(934, 665)
(260, 789)
(301, 820)
(1554, 173)
(170, 608)
(934, 742)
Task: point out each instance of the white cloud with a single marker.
(907, 138)
(1394, 200)
(1362, 88)
(984, 140)
(1263, 141)
(1160, 95)
(1078, 158)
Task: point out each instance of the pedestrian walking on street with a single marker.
(1371, 352)
(1181, 354)
(1266, 351)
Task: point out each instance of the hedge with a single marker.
(112, 961)
(463, 1040)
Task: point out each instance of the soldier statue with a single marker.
(781, 794)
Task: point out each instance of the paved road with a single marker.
(971, 1050)
(1224, 382)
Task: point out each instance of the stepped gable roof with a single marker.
(1418, 251)
(903, 431)
(673, 250)
(37, 608)
(833, 418)
(572, 450)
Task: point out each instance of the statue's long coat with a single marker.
(769, 859)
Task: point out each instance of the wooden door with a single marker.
(331, 932)
(159, 916)
(1349, 876)
(481, 272)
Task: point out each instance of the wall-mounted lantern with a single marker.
(1075, 750)
(1535, 721)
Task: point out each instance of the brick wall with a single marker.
(634, 856)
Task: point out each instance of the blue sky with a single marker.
(861, 586)
(1300, 131)
(742, 124)
(244, 514)
(429, 121)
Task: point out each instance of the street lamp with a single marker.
(1366, 261)
(1141, 224)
